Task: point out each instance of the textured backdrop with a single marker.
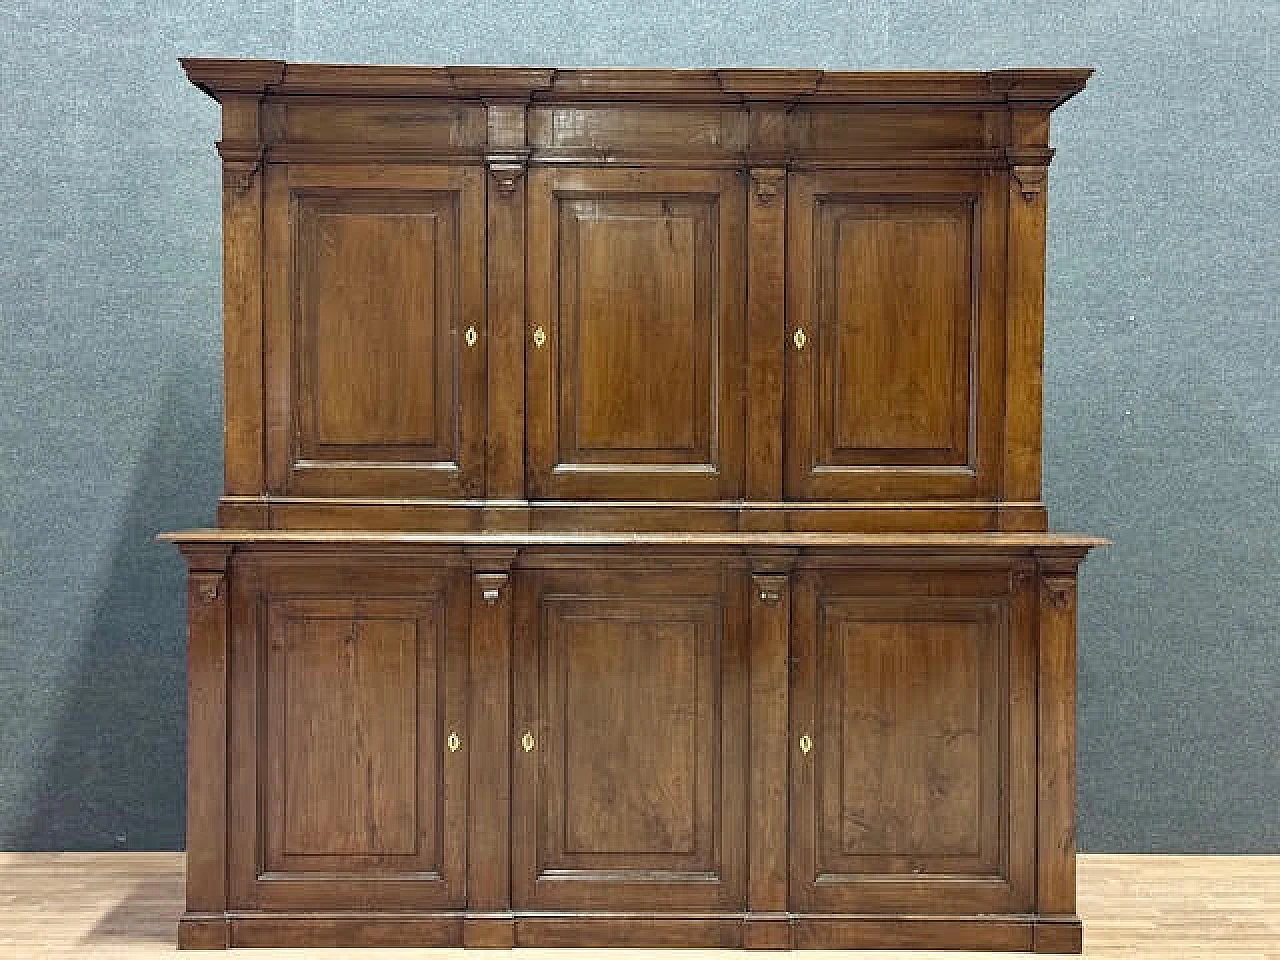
(1162, 402)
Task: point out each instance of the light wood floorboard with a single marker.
(123, 906)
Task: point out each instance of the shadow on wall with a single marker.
(114, 770)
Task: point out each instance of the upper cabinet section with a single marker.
(531, 298)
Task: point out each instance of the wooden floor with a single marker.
(115, 906)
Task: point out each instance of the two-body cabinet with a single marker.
(632, 529)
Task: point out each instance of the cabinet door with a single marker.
(895, 331)
(635, 337)
(348, 747)
(375, 329)
(629, 784)
(914, 788)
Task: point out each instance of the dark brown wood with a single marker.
(352, 930)
(207, 617)
(895, 336)
(632, 531)
(631, 753)
(770, 609)
(196, 932)
(340, 182)
(913, 691)
(506, 198)
(1045, 87)
(1056, 846)
(342, 773)
(489, 923)
(635, 340)
(913, 933)
(942, 543)
(1024, 285)
(1064, 936)
(375, 352)
(242, 280)
(766, 330)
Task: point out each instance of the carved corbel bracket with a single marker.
(491, 586)
(491, 572)
(1030, 170)
(1059, 591)
(506, 171)
(208, 587)
(241, 163)
(1031, 180)
(767, 183)
(770, 588)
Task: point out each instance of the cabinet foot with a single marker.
(203, 932)
(493, 932)
(767, 931)
(1059, 936)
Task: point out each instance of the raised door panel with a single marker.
(915, 792)
(375, 331)
(631, 794)
(894, 365)
(635, 334)
(358, 771)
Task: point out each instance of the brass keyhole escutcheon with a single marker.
(454, 742)
(471, 336)
(806, 744)
(539, 337)
(799, 338)
(527, 742)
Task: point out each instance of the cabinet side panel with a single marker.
(1024, 376)
(242, 280)
(1056, 807)
(206, 740)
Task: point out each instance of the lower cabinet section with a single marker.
(726, 744)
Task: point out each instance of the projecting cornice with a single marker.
(1044, 88)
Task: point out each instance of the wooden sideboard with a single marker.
(632, 530)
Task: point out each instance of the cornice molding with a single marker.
(1039, 87)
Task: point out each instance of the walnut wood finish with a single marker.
(632, 530)
(915, 690)
(414, 232)
(647, 739)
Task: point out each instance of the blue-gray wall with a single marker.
(1162, 404)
